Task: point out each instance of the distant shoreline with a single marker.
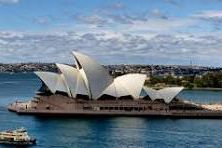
(186, 88)
(204, 88)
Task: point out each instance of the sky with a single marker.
(169, 32)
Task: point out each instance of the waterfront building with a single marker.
(88, 89)
(91, 80)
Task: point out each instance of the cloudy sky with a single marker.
(112, 31)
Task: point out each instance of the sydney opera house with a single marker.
(92, 81)
(88, 89)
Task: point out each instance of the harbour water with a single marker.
(130, 132)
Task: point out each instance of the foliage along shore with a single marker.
(190, 77)
(208, 81)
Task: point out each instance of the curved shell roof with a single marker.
(97, 76)
(129, 84)
(133, 83)
(55, 82)
(73, 79)
(92, 79)
(170, 93)
(84, 84)
(49, 78)
(167, 94)
(152, 93)
(110, 90)
(62, 85)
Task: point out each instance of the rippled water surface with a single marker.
(113, 132)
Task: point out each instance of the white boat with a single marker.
(16, 137)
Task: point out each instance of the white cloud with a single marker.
(92, 19)
(111, 47)
(160, 25)
(153, 21)
(3, 42)
(212, 17)
(209, 14)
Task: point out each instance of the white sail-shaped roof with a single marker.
(133, 83)
(70, 76)
(116, 90)
(110, 90)
(62, 85)
(83, 83)
(49, 78)
(55, 82)
(125, 85)
(167, 94)
(120, 90)
(152, 93)
(73, 79)
(97, 76)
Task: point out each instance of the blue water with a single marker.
(123, 132)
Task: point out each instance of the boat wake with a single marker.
(9, 82)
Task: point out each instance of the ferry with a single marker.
(16, 137)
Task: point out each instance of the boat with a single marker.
(16, 137)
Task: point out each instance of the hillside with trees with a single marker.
(209, 80)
